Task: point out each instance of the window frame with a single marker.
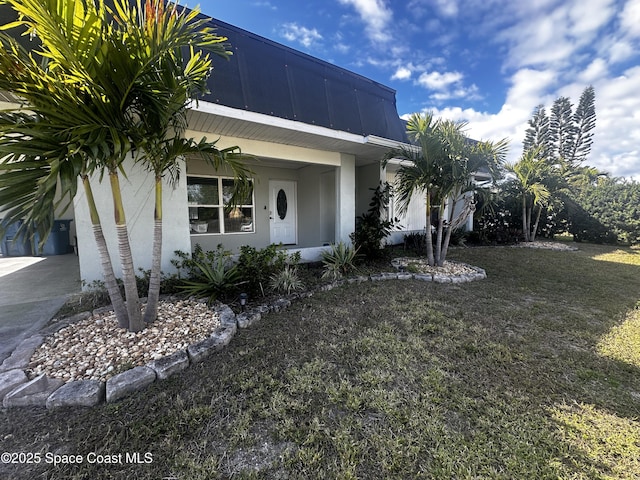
(221, 207)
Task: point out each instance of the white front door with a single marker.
(282, 212)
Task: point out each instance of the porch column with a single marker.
(346, 198)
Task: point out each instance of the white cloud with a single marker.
(439, 81)
(448, 8)
(297, 33)
(620, 51)
(617, 132)
(630, 18)
(596, 70)
(544, 34)
(342, 48)
(376, 17)
(468, 93)
(402, 73)
(268, 5)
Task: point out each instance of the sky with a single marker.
(486, 62)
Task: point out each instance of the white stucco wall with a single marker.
(138, 198)
(346, 197)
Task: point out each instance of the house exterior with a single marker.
(317, 133)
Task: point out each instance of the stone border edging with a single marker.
(16, 390)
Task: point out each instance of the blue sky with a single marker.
(488, 62)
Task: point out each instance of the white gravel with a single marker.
(97, 348)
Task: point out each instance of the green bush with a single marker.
(169, 284)
(187, 264)
(256, 267)
(214, 280)
(338, 261)
(373, 228)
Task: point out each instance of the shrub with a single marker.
(256, 267)
(188, 264)
(168, 283)
(338, 261)
(416, 241)
(373, 228)
(286, 281)
(207, 274)
(214, 280)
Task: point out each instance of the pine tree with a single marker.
(562, 132)
(584, 119)
(537, 135)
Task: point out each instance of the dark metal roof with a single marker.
(266, 77)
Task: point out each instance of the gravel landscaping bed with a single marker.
(547, 245)
(96, 348)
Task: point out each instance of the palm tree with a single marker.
(162, 158)
(104, 74)
(441, 164)
(165, 92)
(57, 135)
(530, 173)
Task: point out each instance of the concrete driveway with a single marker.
(32, 290)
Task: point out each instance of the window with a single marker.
(209, 209)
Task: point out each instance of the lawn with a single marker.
(531, 373)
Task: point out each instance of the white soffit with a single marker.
(221, 120)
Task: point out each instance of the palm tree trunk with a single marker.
(151, 311)
(525, 224)
(447, 238)
(110, 282)
(126, 258)
(535, 227)
(439, 233)
(430, 259)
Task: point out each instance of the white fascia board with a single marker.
(262, 119)
(399, 162)
(386, 142)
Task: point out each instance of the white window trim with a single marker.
(221, 207)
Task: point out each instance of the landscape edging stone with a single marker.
(88, 394)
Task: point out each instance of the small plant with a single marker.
(256, 267)
(286, 281)
(413, 268)
(214, 280)
(188, 265)
(338, 261)
(93, 295)
(416, 241)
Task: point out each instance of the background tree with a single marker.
(537, 135)
(562, 132)
(584, 120)
(530, 174)
(562, 141)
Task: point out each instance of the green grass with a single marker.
(531, 373)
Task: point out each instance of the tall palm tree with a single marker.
(63, 130)
(530, 172)
(440, 165)
(165, 92)
(104, 74)
(162, 157)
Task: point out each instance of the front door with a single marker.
(282, 212)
